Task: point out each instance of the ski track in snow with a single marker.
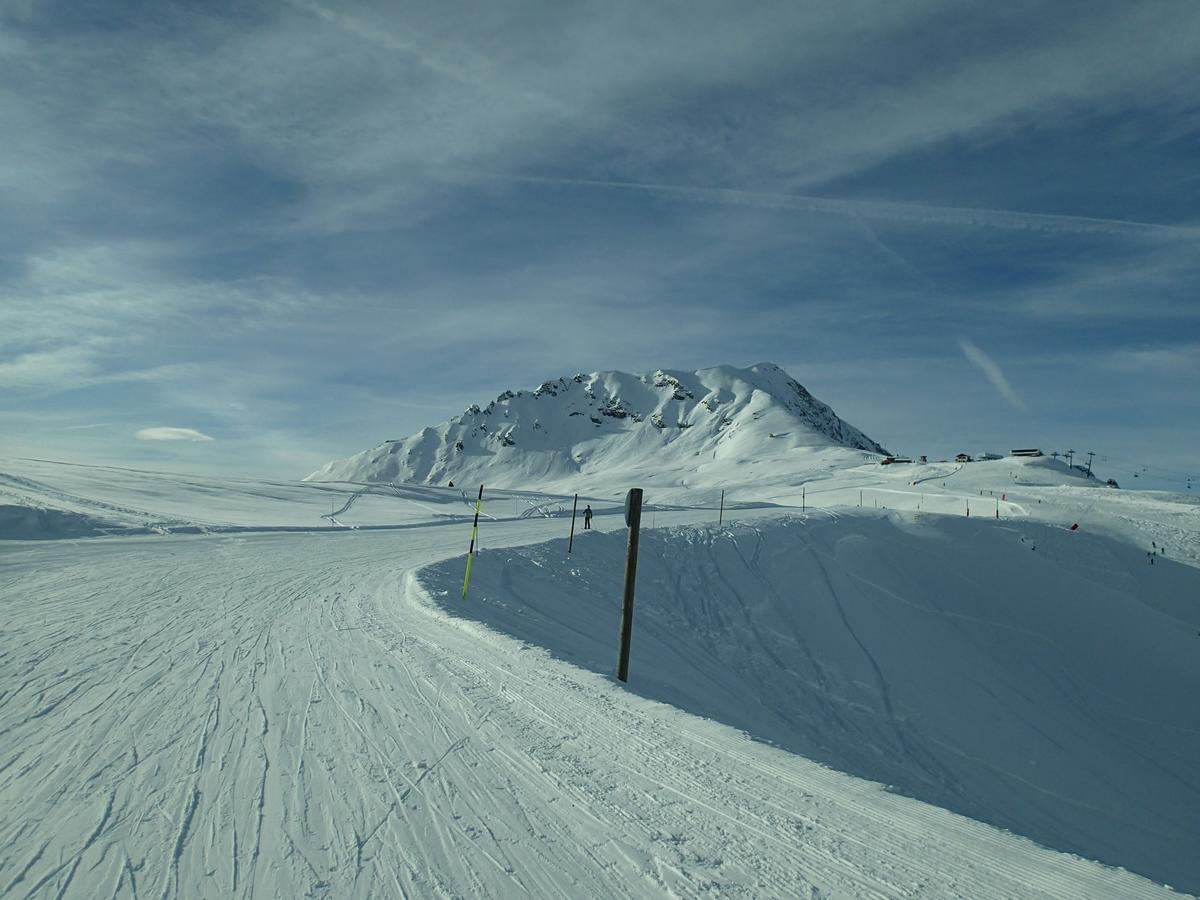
(290, 715)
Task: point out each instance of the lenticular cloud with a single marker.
(171, 434)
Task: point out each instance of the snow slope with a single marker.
(1049, 691)
(693, 427)
(287, 715)
(277, 707)
(45, 500)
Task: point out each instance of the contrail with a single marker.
(874, 209)
(383, 38)
(992, 372)
(415, 47)
(898, 258)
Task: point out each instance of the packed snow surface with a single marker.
(241, 688)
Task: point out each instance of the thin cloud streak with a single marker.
(478, 75)
(875, 209)
(992, 372)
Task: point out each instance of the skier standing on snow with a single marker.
(587, 516)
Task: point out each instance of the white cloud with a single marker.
(1151, 281)
(373, 107)
(47, 367)
(171, 434)
(94, 314)
(1172, 361)
(372, 115)
(992, 372)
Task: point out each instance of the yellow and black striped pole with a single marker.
(471, 550)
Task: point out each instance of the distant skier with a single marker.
(452, 484)
(587, 516)
(1075, 526)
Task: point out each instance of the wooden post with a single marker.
(803, 501)
(721, 515)
(571, 539)
(633, 518)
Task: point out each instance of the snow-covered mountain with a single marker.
(678, 424)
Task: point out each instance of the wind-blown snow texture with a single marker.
(613, 423)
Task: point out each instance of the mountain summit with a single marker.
(686, 428)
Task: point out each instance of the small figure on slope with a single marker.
(587, 516)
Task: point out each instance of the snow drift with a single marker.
(676, 424)
(1023, 675)
(40, 524)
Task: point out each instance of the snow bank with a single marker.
(28, 523)
(1029, 677)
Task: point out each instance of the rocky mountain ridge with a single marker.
(669, 421)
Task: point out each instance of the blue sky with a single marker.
(298, 228)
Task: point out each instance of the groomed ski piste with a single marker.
(231, 688)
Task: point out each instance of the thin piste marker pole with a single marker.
(471, 549)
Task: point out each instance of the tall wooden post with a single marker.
(633, 518)
(571, 539)
(721, 514)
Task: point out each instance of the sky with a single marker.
(252, 237)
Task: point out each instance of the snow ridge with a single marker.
(612, 421)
